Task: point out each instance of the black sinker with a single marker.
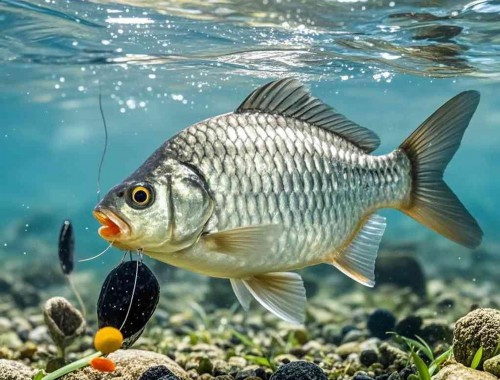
(116, 299)
(66, 247)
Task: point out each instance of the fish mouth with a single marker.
(112, 227)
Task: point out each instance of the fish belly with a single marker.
(265, 169)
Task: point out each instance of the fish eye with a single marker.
(141, 196)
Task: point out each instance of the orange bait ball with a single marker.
(103, 364)
(108, 340)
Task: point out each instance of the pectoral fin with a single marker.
(244, 240)
(282, 293)
(358, 259)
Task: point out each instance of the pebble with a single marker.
(409, 326)
(159, 372)
(457, 371)
(368, 357)
(362, 377)
(39, 334)
(492, 365)
(299, 370)
(380, 322)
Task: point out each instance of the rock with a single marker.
(130, 365)
(256, 373)
(435, 331)
(409, 326)
(10, 340)
(205, 366)
(25, 295)
(492, 365)
(392, 355)
(39, 334)
(380, 322)
(479, 328)
(5, 325)
(299, 370)
(159, 372)
(12, 370)
(403, 271)
(347, 349)
(362, 377)
(457, 371)
(27, 350)
(368, 357)
(64, 321)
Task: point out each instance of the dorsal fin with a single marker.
(289, 97)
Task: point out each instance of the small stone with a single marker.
(456, 371)
(479, 328)
(403, 271)
(10, 340)
(492, 365)
(28, 350)
(380, 322)
(362, 377)
(435, 331)
(205, 366)
(392, 355)
(5, 325)
(346, 349)
(39, 335)
(409, 326)
(25, 295)
(299, 370)
(368, 357)
(158, 372)
(354, 336)
(12, 370)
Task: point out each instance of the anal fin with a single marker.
(282, 293)
(358, 259)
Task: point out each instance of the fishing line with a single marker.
(105, 146)
(77, 295)
(132, 297)
(96, 256)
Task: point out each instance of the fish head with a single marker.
(162, 207)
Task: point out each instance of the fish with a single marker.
(282, 183)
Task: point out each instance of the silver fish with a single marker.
(286, 182)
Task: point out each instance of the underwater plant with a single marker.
(419, 345)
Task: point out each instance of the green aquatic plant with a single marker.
(417, 346)
(477, 358)
(263, 359)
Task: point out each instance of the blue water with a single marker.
(386, 65)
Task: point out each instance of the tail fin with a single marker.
(430, 148)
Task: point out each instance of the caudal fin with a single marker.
(430, 148)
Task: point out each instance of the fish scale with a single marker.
(268, 169)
